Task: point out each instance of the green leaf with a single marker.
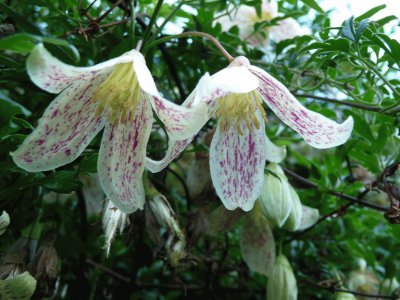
(24, 42)
(20, 287)
(61, 182)
(360, 29)
(9, 108)
(348, 29)
(314, 5)
(88, 164)
(370, 13)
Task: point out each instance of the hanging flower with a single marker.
(113, 220)
(240, 148)
(117, 95)
(245, 17)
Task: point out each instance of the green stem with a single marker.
(133, 23)
(152, 21)
(159, 29)
(192, 34)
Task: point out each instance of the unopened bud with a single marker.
(293, 222)
(4, 222)
(345, 296)
(282, 283)
(275, 201)
(20, 287)
(113, 219)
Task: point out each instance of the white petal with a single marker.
(66, 128)
(52, 75)
(237, 165)
(317, 130)
(112, 219)
(4, 221)
(180, 122)
(122, 158)
(275, 154)
(236, 79)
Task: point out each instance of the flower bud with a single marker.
(275, 201)
(309, 217)
(345, 296)
(162, 212)
(293, 222)
(363, 280)
(20, 287)
(282, 283)
(113, 219)
(4, 222)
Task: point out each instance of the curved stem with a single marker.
(192, 34)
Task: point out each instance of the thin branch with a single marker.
(333, 289)
(340, 102)
(107, 270)
(352, 199)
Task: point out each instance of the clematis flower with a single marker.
(240, 148)
(117, 95)
(245, 17)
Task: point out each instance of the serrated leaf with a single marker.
(20, 287)
(257, 243)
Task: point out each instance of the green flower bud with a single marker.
(275, 201)
(282, 283)
(345, 296)
(293, 222)
(4, 222)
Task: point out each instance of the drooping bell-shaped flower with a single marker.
(282, 282)
(113, 220)
(239, 149)
(245, 18)
(117, 95)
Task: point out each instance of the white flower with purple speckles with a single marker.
(240, 148)
(117, 95)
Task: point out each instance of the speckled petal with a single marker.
(237, 165)
(66, 128)
(236, 79)
(122, 158)
(52, 75)
(317, 130)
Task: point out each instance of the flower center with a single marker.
(119, 94)
(234, 109)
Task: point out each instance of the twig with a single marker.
(107, 270)
(352, 199)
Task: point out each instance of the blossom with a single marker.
(245, 17)
(117, 95)
(282, 283)
(239, 148)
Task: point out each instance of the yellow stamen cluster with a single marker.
(233, 109)
(119, 93)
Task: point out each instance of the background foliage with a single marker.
(350, 70)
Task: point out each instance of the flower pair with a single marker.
(119, 95)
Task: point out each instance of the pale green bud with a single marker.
(4, 222)
(20, 287)
(282, 283)
(309, 217)
(275, 201)
(345, 296)
(293, 222)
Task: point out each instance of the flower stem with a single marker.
(152, 21)
(167, 19)
(192, 34)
